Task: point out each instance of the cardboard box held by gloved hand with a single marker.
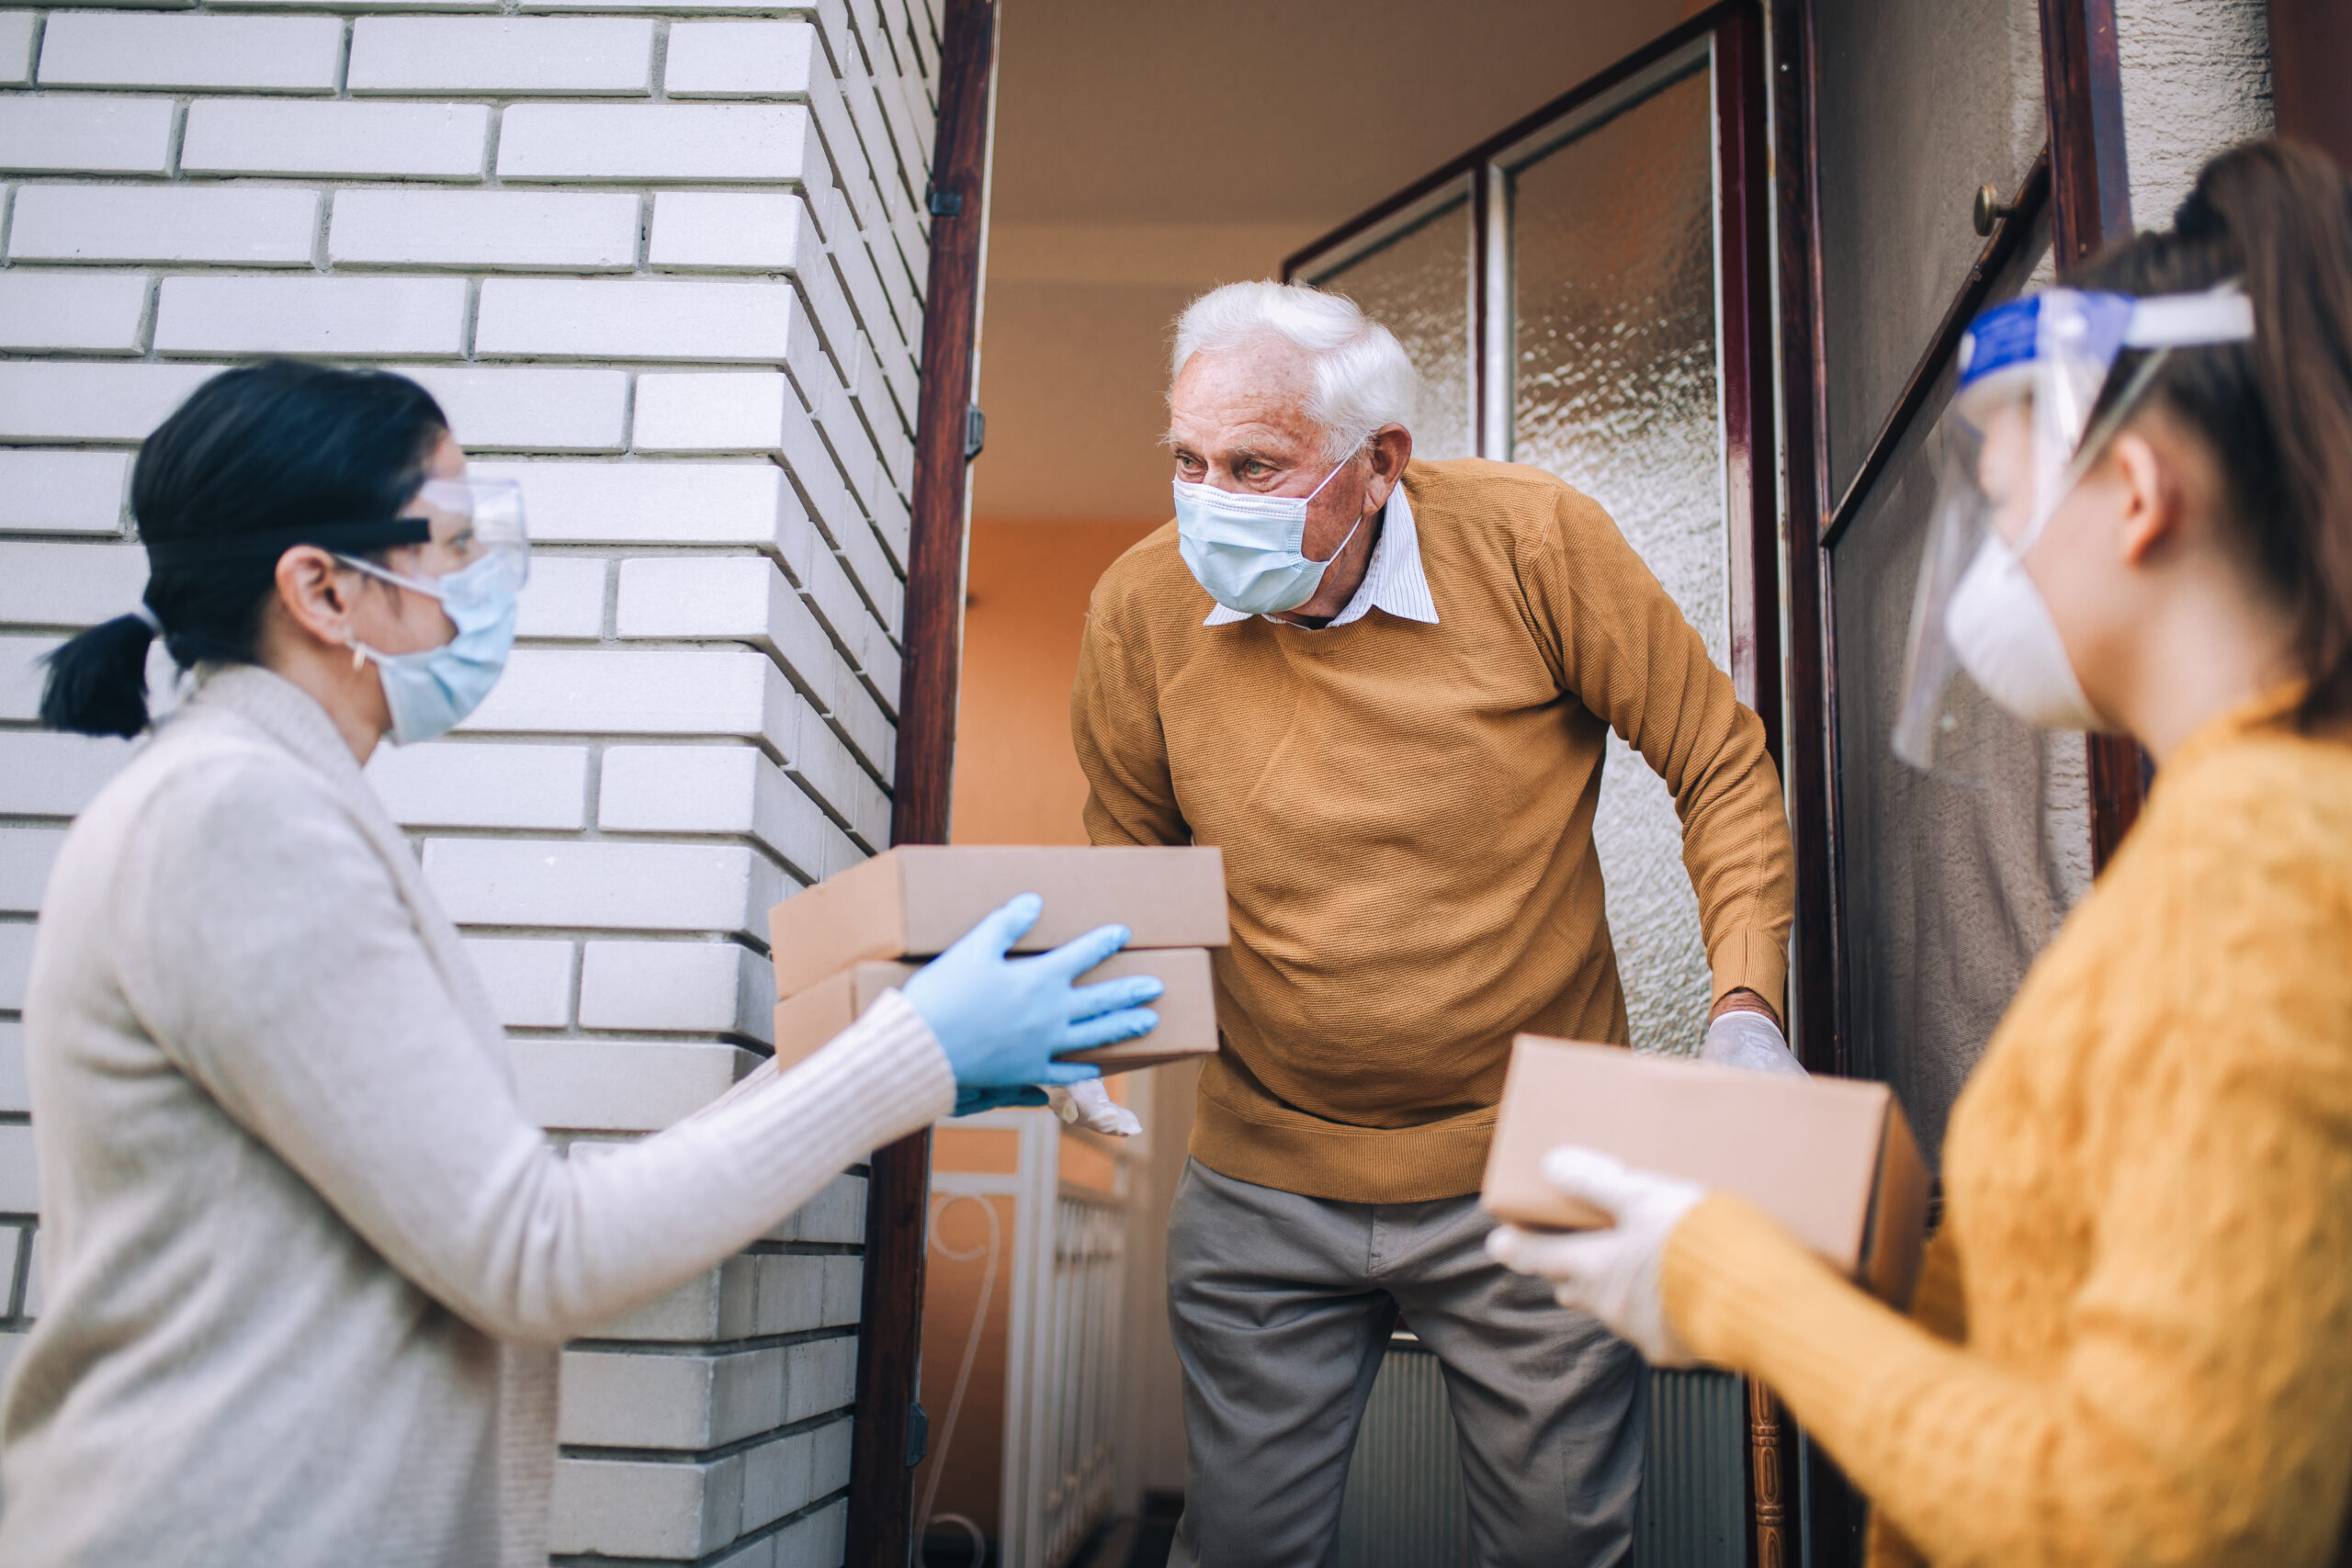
(1832, 1159)
(913, 902)
(1187, 1009)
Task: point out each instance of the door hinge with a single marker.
(975, 432)
(943, 203)
(918, 1433)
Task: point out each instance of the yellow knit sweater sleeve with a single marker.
(2185, 1049)
(1621, 644)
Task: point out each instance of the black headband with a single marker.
(347, 538)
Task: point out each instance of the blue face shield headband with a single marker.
(2033, 411)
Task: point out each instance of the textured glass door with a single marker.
(1574, 295)
(1417, 276)
(1613, 387)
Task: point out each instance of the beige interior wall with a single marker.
(1016, 777)
(1145, 153)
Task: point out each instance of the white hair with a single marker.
(1363, 379)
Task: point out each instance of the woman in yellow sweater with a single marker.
(2132, 1341)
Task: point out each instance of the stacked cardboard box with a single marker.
(839, 945)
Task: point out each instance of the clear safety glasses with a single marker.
(2033, 412)
(474, 540)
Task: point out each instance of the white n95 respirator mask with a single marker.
(1248, 551)
(2033, 411)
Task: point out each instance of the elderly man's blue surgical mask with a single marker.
(1247, 549)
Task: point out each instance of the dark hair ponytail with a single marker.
(255, 453)
(2277, 410)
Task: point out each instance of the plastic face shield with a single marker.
(2018, 435)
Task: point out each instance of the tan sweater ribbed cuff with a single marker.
(1752, 961)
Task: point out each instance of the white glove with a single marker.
(1752, 1042)
(1612, 1274)
(1089, 1105)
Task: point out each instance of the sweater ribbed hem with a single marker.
(1350, 1165)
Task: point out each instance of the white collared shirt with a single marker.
(1393, 581)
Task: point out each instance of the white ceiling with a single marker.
(1146, 151)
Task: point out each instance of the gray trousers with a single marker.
(1282, 1306)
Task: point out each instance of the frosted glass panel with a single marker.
(1418, 285)
(1614, 390)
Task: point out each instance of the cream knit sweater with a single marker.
(308, 1262)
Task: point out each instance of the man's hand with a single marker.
(1090, 1105)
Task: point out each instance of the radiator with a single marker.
(1404, 1507)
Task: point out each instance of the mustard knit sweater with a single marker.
(2132, 1343)
(1405, 812)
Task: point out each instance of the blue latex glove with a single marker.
(972, 1102)
(1003, 1020)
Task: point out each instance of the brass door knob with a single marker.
(1991, 209)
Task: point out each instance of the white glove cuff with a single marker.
(1751, 1041)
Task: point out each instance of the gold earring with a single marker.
(358, 655)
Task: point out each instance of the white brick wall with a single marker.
(661, 262)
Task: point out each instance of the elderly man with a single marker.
(1383, 687)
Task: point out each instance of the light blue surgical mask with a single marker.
(1247, 549)
(430, 691)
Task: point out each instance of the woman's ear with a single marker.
(2151, 494)
(314, 593)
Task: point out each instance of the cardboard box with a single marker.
(914, 901)
(1832, 1159)
(1187, 1009)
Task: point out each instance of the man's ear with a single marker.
(314, 593)
(1391, 448)
(2152, 497)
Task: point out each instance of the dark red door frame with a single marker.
(1750, 445)
(2090, 192)
(1827, 1533)
(1830, 1533)
(886, 1441)
(2310, 59)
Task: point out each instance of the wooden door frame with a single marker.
(2310, 59)
(2090, 195)
(888, 1438)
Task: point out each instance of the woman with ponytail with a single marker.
(309, 1263)
(2131, 1342)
